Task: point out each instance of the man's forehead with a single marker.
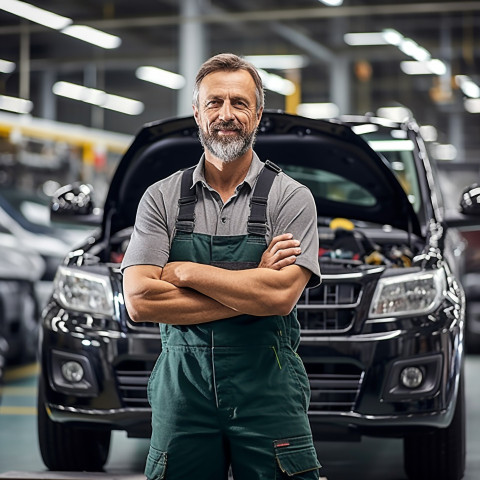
(225, 80)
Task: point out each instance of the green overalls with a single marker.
(229, 392)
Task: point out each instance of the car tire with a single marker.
(439, 455)
(66, 447)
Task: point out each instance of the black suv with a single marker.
(382, 336)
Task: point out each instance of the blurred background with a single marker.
(77, 84)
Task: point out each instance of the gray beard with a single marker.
(226, 149)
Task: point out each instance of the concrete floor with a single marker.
(372, 459)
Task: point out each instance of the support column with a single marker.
(93, 78)
(48, 101)
(192, 50)
(24, 87)
(456, 133)
(292, 101)
(340, 84)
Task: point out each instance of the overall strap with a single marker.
(186, 203)
(257, 221)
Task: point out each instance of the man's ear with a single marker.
(259, 114)
(195, 114)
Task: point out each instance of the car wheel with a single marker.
(439, 455)
(70, 448)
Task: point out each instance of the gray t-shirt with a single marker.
(290, 209)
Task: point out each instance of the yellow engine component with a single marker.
(343, 223)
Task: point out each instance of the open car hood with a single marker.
(322, 154)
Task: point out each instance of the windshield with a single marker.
(398, 150)
(330, 186)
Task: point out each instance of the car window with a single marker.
(330, 186)
(399, 152)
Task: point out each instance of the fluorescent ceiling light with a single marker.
(123, 104)
(276, 83)
(99, 98)
(318, 110)
(389, 37)
(412, 49)
(364, 128)
(437, 66)
(397, 114)
(93, 36)
(398, 134)
(366, 38)
(280, 62)
(472, 105)
(392, 145)
(17, 105)
(468, 86)
(332, 3)
(392, 37)
(444, 152)
(430, 67)
(35, 14)
(429, 133)
(161, 77)
(57, 22)
(6, 66)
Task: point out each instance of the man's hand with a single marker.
(175, 272)
(281, 252)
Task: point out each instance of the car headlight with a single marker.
(409, 294)
(83, 291)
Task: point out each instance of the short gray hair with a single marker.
(229, 62)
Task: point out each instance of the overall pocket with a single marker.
(156, 464)
(296, 458)
(153, 375)
(300, 378)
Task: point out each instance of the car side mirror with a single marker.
(73, 203)
(470, 200)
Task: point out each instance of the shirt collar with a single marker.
(250, 179)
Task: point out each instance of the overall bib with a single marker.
(233, 391)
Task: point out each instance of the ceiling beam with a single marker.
(295, 14)
(397, 9)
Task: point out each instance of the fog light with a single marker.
(72, 371)
(411, 377)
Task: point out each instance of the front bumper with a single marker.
(356, 385)
(353, 377)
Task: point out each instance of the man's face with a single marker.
(227, 116)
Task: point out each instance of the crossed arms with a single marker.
(186, 293)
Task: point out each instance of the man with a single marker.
(228, 389)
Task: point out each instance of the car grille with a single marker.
(132, 379)
(330, 307)
(334, 388)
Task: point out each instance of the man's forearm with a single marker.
(161, 302)
(258, 291)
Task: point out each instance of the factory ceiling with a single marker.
(178, 35)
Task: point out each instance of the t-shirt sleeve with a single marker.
(149, 243)
(296, 213)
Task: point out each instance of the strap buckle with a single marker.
(187, 200)
(257, 228)
(272, 166)
(258, 200)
